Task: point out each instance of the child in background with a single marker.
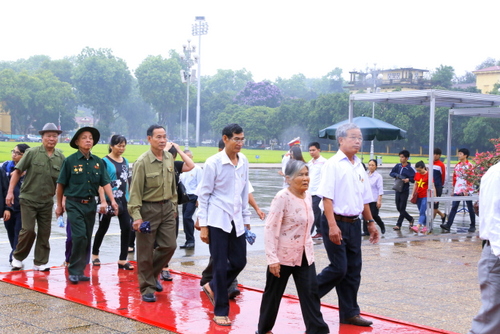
(421, 186)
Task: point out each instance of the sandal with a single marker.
(396, 228)
(126, 266)
(96, 262)
(209, 293)
(222, 320)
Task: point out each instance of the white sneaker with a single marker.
(41, 267)
(16, 264)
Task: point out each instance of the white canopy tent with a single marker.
(459, 103)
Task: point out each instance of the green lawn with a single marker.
(200, 153)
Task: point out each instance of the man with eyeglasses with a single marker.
(223, 214)
(42, 165)
(346, 194)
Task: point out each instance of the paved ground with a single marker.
(429, 280)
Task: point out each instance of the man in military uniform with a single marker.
(81, 175)
(152, 196)
(42, 165)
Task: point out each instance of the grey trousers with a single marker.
(487, 321)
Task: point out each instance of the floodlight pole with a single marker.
(200, 27)
(187, 62)
(376, 78)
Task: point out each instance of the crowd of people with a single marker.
(335, 201)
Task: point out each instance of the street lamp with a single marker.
(376, 89)
(200, 27)
(188, 59)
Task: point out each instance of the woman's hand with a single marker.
(204, 234)
(379, 204)
(275, 269)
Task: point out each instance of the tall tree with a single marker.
(160, 85)
(261, 93)
(295, 87)
(103, 82)
(443, 77)
(489, 62)
(226, 81)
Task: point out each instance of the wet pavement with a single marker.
(429, 280)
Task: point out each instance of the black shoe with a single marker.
(83, 278)
(165, 275)
(445, 227)
(233, 290)
(159, 287)
(357, 320)
(443, 219)
(149, 297)
(74, 279)
(189, 245)
(472, 229)
(411, 222)
(382, 230)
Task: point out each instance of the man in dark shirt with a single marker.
(405, 172)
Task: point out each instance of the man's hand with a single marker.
(59, 210)
(6, 215)
(261, 214)
(374, 235)
(204, 234)
(102, 207)
(9, 200)
(115, 207)
(137, 224)
(275, 269)
(335, 235)
(197, 224)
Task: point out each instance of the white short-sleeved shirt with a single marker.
(346, 184)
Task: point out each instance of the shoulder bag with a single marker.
(398, 185)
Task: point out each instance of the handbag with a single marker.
(414, 198)
(182, 196)
(398, 185)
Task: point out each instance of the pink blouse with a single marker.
(287, 232)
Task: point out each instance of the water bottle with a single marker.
(60, 221)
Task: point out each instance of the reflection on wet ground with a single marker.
(429, 280)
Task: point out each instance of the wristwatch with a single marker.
(371, 221)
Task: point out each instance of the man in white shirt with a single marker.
(346, 194)
(223, 214)
(190, 180)
(487, 321)
(315, 166)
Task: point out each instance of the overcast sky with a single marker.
(271, 38)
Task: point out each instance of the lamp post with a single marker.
(188, 60)
(376, 89)
(200, 27)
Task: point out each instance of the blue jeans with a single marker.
(422, 206)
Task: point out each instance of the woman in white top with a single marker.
(377, 186)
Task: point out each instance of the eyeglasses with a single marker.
(239, 141)
(16, 152)
(355, 138)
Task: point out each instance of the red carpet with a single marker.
(182, 307)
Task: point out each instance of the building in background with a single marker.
(395, 79)
(486, 78)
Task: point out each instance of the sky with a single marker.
(271, 39)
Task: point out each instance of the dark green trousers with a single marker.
(82, 218)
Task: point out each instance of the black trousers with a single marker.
(318, 215)
(344, 270)
(401, 201)
(125, 230)
(188, 210)
(374, 210)
(229, 255)
(304, 277)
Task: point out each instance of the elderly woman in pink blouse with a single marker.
(289, 251)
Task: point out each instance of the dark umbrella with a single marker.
(371, 128)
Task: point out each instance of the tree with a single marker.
(295, 87)
(261, 93)
(226, 81)
(33, 100)
(137, 114)
(489, 62)
(443, 77)
(62, 69)
(332, 82)
(160, 85)
(103, 82)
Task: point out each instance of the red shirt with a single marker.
(422, 184)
